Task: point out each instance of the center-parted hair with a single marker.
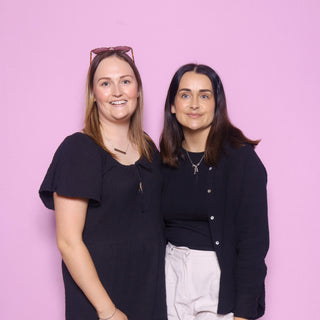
(222, 131)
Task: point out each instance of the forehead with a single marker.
(193, 80)
(113, 67)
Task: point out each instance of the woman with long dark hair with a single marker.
(214, 204)
(104, 184)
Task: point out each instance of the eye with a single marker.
(185, 96)
(204, 96)
(126, 81)
(105, 84)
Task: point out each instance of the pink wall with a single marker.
(267, 53)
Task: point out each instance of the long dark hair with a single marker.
(221, 132)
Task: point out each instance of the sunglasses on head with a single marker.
(123, 49)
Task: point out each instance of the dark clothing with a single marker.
(236, 202)
(185, 212)
(123, 230)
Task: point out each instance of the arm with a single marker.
(252, 240)
(70, 219)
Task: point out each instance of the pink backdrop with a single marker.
(267, 53)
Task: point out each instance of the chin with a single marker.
(122, 118)
(195, 128)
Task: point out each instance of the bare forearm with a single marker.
(237, 318)
(80, 265)
(70, 220)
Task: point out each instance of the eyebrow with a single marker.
(202, 90)
(108, 78)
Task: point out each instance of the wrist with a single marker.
(107, 313)
(111, 315)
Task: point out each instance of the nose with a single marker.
(117, 92)
(194, 103)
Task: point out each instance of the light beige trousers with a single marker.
(192, 284)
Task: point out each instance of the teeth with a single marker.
(118, 102)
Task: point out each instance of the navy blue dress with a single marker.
(123, 230)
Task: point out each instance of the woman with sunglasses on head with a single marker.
(214, 205)
(104, 184)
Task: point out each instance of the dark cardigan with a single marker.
(237, 215)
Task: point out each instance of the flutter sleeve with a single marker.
(75, 171)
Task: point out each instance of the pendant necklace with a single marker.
(117, 149)
(121, 151)
(195, 166)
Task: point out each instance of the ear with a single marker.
(173, 108)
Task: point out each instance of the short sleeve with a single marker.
(75, 171)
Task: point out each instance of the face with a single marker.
(194, 103)
(115, 90)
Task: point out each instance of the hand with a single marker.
(237, 318)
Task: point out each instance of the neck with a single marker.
(117, 133)
(195, 141)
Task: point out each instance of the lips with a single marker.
(118, 102)
(194, 115)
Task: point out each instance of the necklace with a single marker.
(117, 149)
(121, 151)
(195, 166)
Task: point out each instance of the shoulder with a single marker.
(149, 142)
(77, 148)
(243, 157)
(243, 152)
(78, 139)
(154, 152)
(78, 143)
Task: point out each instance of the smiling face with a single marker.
(194, 103)
(115, 90)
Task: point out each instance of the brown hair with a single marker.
(222, 131)
(92, 124)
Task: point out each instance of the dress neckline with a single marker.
(142, 160)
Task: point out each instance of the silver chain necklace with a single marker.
(195, 166)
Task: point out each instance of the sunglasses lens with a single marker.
(122, 48)
(119, 48)
(99, 50)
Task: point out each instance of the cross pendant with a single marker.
(196, 170)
